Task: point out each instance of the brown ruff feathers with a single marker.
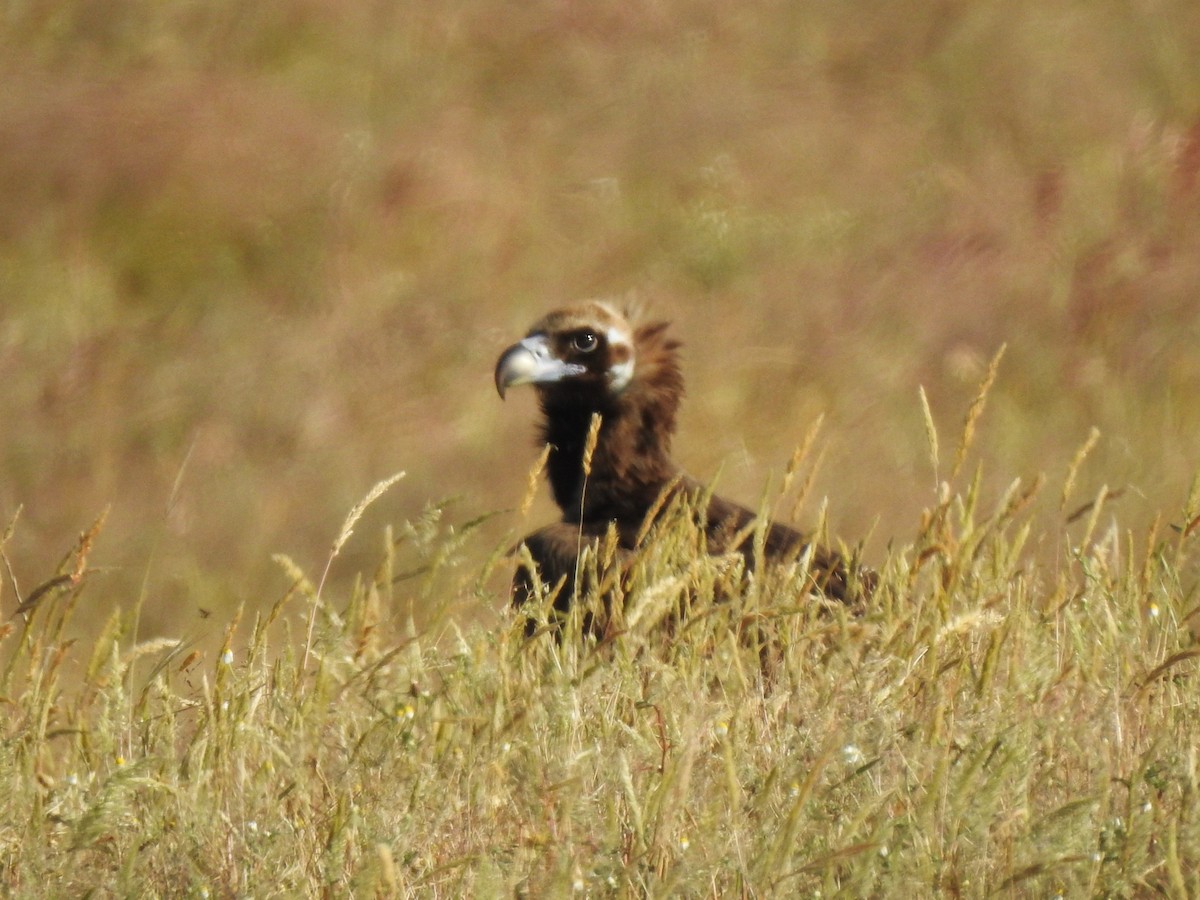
(587, 359)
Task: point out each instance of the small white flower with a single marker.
(852, 755)
(227, 657)
(883, 851)
(252, 826)
(684, 843)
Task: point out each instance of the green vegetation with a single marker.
(254, 257)
(252, 260)
(989, 725)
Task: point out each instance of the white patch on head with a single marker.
(612, 311)
(621, 374)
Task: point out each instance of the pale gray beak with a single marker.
(531, 362)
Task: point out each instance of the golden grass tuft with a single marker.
(246, 264)
(992, 723)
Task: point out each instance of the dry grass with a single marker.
(991, 725)
(285, 245)
(253, 258)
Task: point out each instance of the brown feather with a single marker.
(631, 466)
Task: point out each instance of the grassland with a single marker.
(254, 258)
(990, 726)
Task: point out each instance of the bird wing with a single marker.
(732, 527)
(555, 552)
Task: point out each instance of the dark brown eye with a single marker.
(584, 341)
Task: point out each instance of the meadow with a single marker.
(255, 259)
(988, 726)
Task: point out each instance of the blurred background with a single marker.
(255, 257)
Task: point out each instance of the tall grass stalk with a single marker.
(995, 722)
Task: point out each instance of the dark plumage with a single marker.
(588, 359)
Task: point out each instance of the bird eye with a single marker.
(584, 341)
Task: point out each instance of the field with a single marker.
(256, 258)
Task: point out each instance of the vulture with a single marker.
(589, 360)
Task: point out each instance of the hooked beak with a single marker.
(531, 362)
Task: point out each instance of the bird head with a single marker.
(587, 348)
